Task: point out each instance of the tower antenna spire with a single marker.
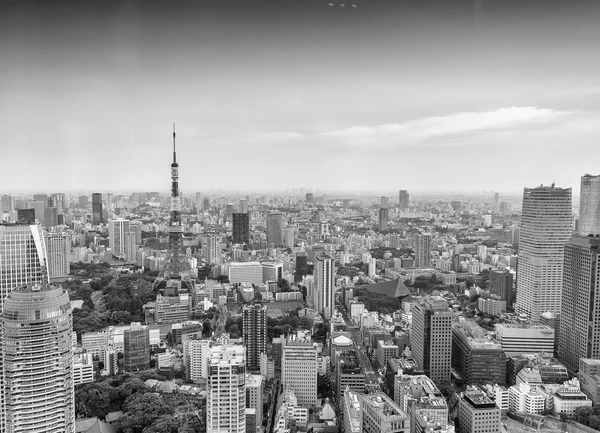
(174, 154)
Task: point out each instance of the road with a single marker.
(372, 384)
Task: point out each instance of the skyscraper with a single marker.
(546, 226)
(97, 215)
(241, 228)
(275, 225)
(496, 202)
(385, 202)
(22, 261)
(26, 216)
(579, 335)
(431, 338)
(383, 218)
(243, 205)
(501, 284)
(39, 207)
(422, 250)
(198, 202)
(310, 197)
(324, 280)
(211, 250)
(299, 368)
(226, 390)
(37, 347)
(589, 205)
(404, 198)
(254, 332)
(58, 247)
(116, 236)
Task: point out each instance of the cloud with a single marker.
(451, 126)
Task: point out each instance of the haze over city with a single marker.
(425, 95)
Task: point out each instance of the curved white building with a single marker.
(37, 324)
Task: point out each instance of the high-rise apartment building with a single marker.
(384, 214)
(324, 280)
(501, 284)
(97, 215)
(403, 199)
(589, 205)
(195, 357)
(579, 335)
(422, 250)
(37, 348)
(546, 226)
(226, 390)
(241, 228)
(254, 397)
(299, 368)
(136, 347)
(431, 338)
(275, 226)
(211, 250)
(58, 247)
(254, 332)
(116, 236)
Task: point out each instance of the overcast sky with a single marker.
(457, 95)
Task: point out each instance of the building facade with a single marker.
(589, 206)
(477, 413)
(58, 248)
(299, 368)
(501, 285)
(37, 347)
(116, 236)
(381, 415)
(136, 348)
(97, 215)
(254, 333)
(422, 250)
(324, 284)
(546, 226)
(275, 226)
(241, 228)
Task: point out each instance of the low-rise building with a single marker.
(477, 413)
(83, 369)
(589, 378)
(386, 349)
(381, 415)
(352, 413)
(526, 398)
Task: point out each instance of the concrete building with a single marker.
(517, 339)
(403, 199)
(254, 333)
(418, 396)
(546, 226)
(97, 213)
(58, 248)
(431, 337)
(83, 369)
(384, 215)
(476, 356)
(381, 415)
(275, 226)
(589, 379)
(299, 368)
(246, 272)
(241, 228)
(195, 358)
(348, 374)
(324, 284)
(477, 413)
(501, 285)
(579, 335)
(136, 348)
(422, 243)
(254, 397)
(386, 349)
(589, 205)
(116, 236)
(352, 415)
(38, 371)
(492, 306)
(526, 398)
(226, 390)
(567, 400)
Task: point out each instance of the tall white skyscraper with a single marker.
(226, 390)
(299, 368)
(324, 280)
(116, 236)
(37, 346)
(546, 226)
(58, 247)
(589, 205)
(211, 250)
(22, 261)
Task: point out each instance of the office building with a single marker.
(290, 237)
(324, 280)
(579, 335)
(130, 247)
(422, 401)
(26, 216)
(477, 413)
(431, 337)
(589, 378)
(58, 247)
(299, 368)
(50, 217)
(385, 202)
(39, 207)
(403, 199)
(383, 218)
(211, 250)
(589, 205)
(241, 228)
(501, 285)
(275, 226)
(136, 347)
(348, 374)
(246, 272)
(254, 332)
(97, 213)
(546, 226)
(517, 339)
(117, 229)
(243, 205)
(38, 371)
(381, 415)
(352, 415)
(226, 390)
(198, 202)
(386, 349)
(310, 197)
(422, 250)
(476, 356)
(7, 203)
(254, 397)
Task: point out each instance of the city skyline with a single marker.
(483, 86)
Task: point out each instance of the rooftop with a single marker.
(384, 405)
